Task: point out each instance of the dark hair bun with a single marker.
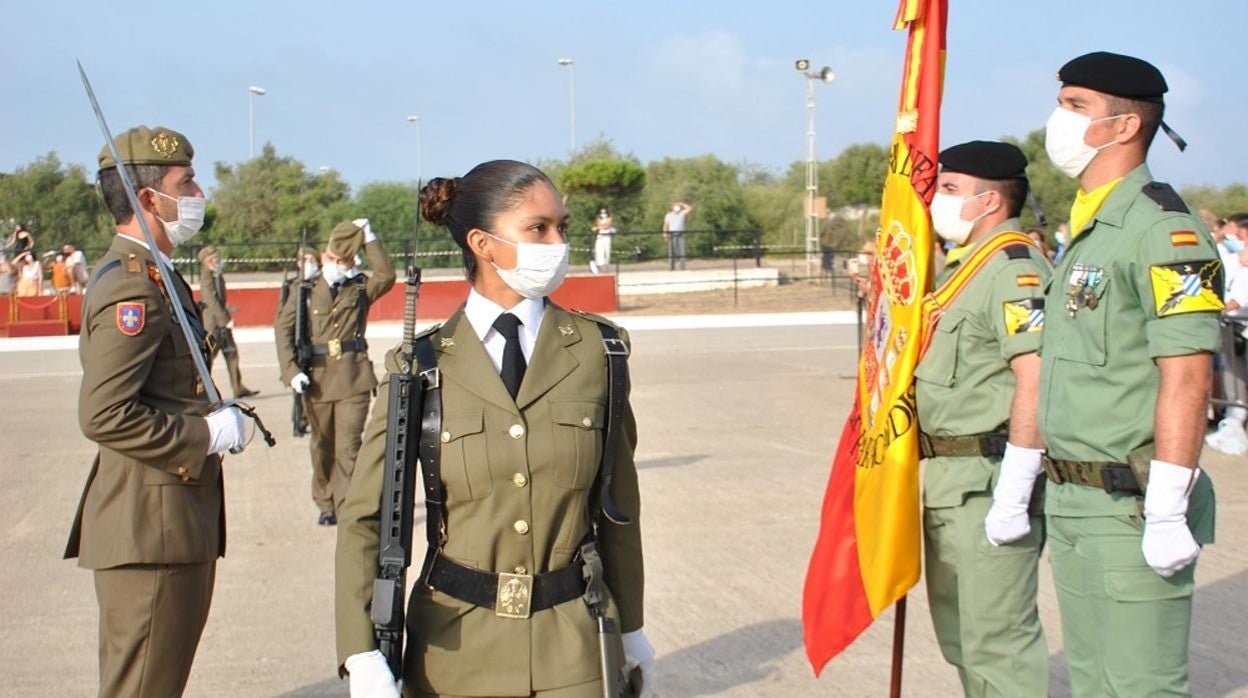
(436, 198)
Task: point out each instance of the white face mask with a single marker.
(539, 268)
(947, 217)
(1063, 141)
(310, 269)
(333, 273)
(190, 218)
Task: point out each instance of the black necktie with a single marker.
(508, 326)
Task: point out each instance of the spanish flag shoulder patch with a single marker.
(1027, 280)
(1183, 238)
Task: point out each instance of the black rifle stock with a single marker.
(404, 410)
(302, 350)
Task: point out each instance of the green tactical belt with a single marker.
(1104, 475)
(991, 444)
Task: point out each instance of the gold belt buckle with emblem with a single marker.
(514, 598)
(335, 348)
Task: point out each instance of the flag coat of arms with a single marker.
(866, 556)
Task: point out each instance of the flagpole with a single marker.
(899, 647)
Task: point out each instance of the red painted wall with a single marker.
(438, 299)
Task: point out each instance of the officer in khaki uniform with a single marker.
(1132, 322)
(217, 320)
(524, 397)
(309, 265)
(151, 522)
(976, 396)
(339, 381)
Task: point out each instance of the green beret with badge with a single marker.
(346, 239)
(149, 146)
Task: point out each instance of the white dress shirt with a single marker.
(482, 312)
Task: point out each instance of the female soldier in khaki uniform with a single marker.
(524, 396)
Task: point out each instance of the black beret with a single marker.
(1115, 74)
(985, 160)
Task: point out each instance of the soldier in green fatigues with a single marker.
(524, 397)
(976, 395)
(151, 522)
(217, 320)
(1133, 320)
(339, 381)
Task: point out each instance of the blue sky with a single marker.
(657, 79)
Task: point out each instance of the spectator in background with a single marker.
(674, 233)
(604, 225)
(8, 276)
(1041, 241)
(76, 265)
(29, 275)
(1230, 436)
(1062, 235)
(61, 281)
(22, 241)
(1230, 238)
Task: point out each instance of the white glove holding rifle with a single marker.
(638, 652)
(1008, 520)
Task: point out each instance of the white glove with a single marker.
(638, 652)
(225, 430)
(369, 236)
(229, 325)
(1008, 520)
(300, 382)
(370, 676)
(1168, 543)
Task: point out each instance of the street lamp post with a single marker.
(571, 66)
(252, 93)
(812, 178)
(416, 120)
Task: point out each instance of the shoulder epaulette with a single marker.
(1017, 252)
(594, 318)
(1165, 196)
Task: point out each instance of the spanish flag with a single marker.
(867, 554)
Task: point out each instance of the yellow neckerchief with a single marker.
(957, 253)
(1086, 206)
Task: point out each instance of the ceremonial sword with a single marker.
(166, 275)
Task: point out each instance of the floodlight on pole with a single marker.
(571, 66)
(252, 92)
(414, 119)
(825, 75)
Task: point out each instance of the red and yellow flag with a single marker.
(867, 553)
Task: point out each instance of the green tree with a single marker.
(855, 177)
(272, 199)
(714, 190)
(56, 203)
(1218, 201)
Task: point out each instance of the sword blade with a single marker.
(166, 270)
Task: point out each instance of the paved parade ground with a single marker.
(737, 426)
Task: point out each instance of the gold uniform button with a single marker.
(521, 526)
(521, 569)
(516, 431)
(446, 437)
(587, 422)
(519, 480)
(182, 470)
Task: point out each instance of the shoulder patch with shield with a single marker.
(130, 318)
(1187, 287)
(1026, 315)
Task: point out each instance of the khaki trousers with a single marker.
(151, 619)
(593, 689)
(983, 601)
(337, 430)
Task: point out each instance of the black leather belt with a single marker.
(990, 444)
(510, 595)
(336, 348)
(1109, 476)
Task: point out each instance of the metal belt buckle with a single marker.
(514, 598)
(432, 378)
(615, 347)
(335, 348)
